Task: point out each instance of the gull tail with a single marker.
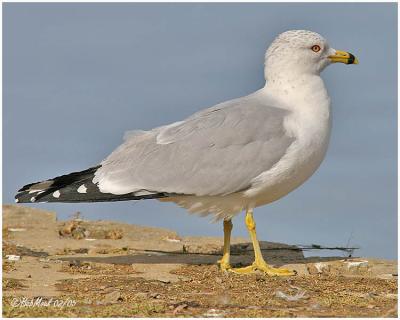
(76, 187)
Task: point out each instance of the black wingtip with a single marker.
(76, 187)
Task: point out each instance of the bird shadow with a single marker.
(239, 257)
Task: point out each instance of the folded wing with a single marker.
(217, 151)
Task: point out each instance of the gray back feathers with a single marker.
(216, 151)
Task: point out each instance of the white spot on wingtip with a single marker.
(16, 200)
(33, 199)
(82, 189)
(56, 194)
(34, 190)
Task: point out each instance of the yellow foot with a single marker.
(224, 266)
(264, 267)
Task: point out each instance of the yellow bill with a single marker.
(343, 57)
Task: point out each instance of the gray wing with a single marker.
(217, 151)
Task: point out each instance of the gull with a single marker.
(232, 157)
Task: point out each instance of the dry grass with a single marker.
(111, 292)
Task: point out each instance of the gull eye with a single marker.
(316, 48)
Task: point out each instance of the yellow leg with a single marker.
(224, 262)
(259, 262)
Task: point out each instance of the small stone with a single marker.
(218, 280)
(260, 277)
(184, 279)
(112, 297)
(155, 295)
(214, 313)
(164, 280)
(356, 264)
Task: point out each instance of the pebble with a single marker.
(155, 295)
(214, 313)
(112, 297)
(164, 280)
(356, 264)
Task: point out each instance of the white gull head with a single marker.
(296, 53)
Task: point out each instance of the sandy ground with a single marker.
(81, 268)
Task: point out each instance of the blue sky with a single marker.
(77, 76)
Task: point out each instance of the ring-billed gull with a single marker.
(234, 156)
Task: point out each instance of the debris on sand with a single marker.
(114, 234)
(79, 229)
(357, 264)
(299, 295)
(73, 229)
(214, 313)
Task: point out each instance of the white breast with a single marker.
(309, 123)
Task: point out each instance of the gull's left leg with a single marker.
(259, 262)
(224, 262)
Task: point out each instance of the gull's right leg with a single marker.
(259, 262)
(224, 262)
